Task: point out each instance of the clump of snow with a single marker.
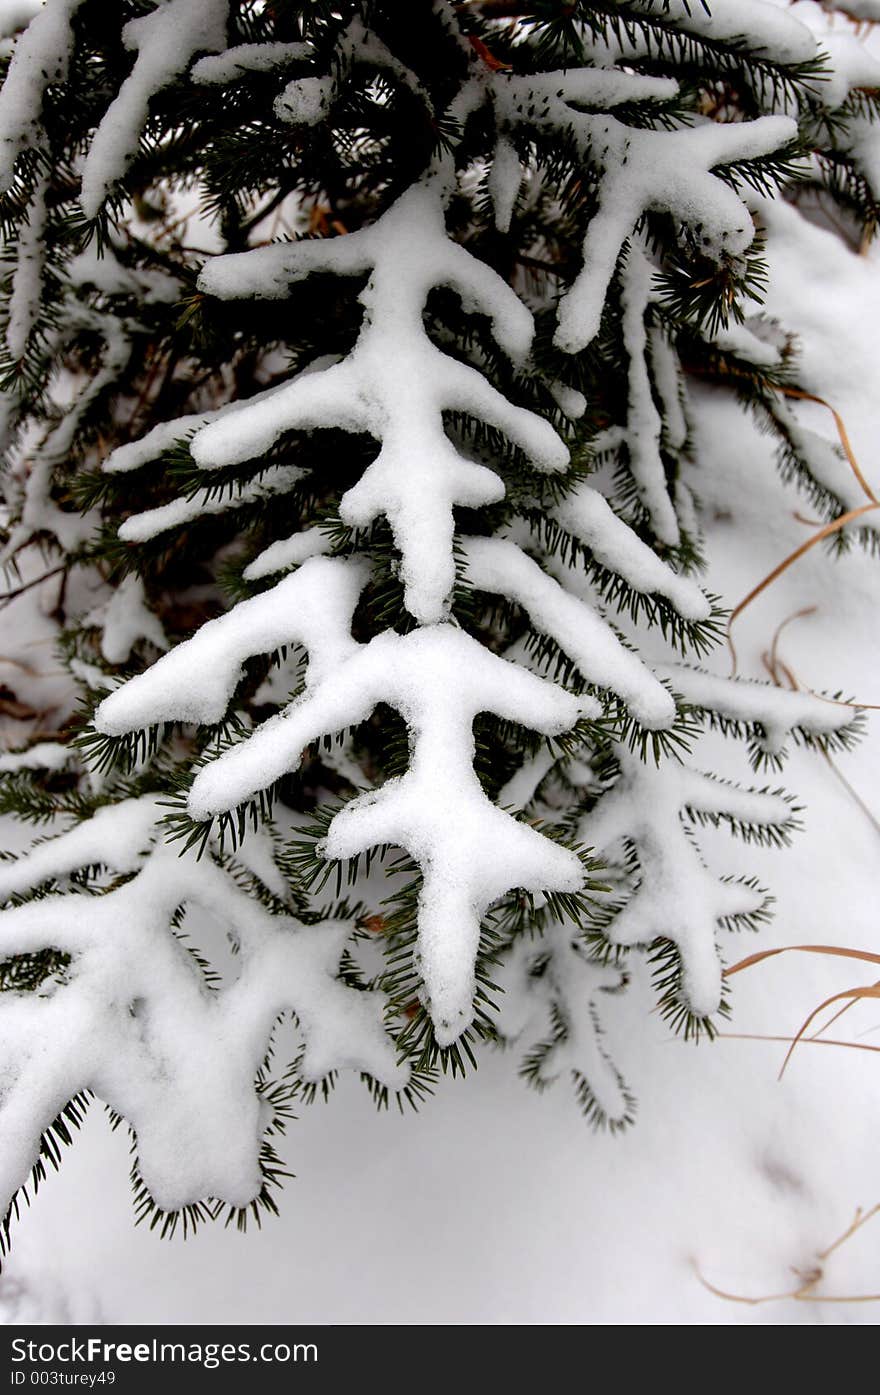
(101, 269)
(287, 553)
(554, 978)
(140, 527)
(165, 40)
(227, 67)
(45, 755)
(770, 31)
(39, 513)
(134, 1019)
(570, 402)
(677, 898)
(439, 679)
(644, 425)
(396, 384)
(27, 278)
(195, 681)
(305, 101)
(775, 712)
(41, 57)
(505, 180)
(155, 443)
(16, 15)
(125, 620)
(640, 169)
(499, 566)
(116, 836)
(520, 789)
(586, 515)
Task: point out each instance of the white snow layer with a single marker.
(41, 56)
(677, 898)
(39, 512)
(227, 67)
(290, 552)
(135, 1021)
(45, 755)
(667, 171)
(769, 30)
(439, 679)
(396, 384)
(277, 479)
(569, 983)
(305, 101)
(165, 40)
(27, 278)
(124, 620)
(155, 443)
(588, 516)
(499, 566)
(793, 1167)
(16, 15)
(776, 712)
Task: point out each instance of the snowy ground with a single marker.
(496, 1205)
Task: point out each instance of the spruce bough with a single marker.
(345, 361)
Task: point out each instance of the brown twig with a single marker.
(805, 1292)
(29, 585)
(842, 432)
(823, 532)
(849, 995)
(775, 666)
(829, 528)
(809, 1041)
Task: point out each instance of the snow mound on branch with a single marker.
(499, 566)
(132, 1018)
(439, 679)
(772, 32)
(165, 40)
(247, 58)
(639, 169)
(16, 15)
(677, 899)
(41, 56)
(395, 385)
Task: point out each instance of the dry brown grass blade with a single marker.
(772, 661)
(837, 950)
(803, 1294)
(776, 666)
(806, 1041)
(841, 431)
(742, 1297)
(853, 793)
(806, 1289)
(861, 1218)
(838, 702)
(826, 1026)
(825, 532)
(847, 995)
